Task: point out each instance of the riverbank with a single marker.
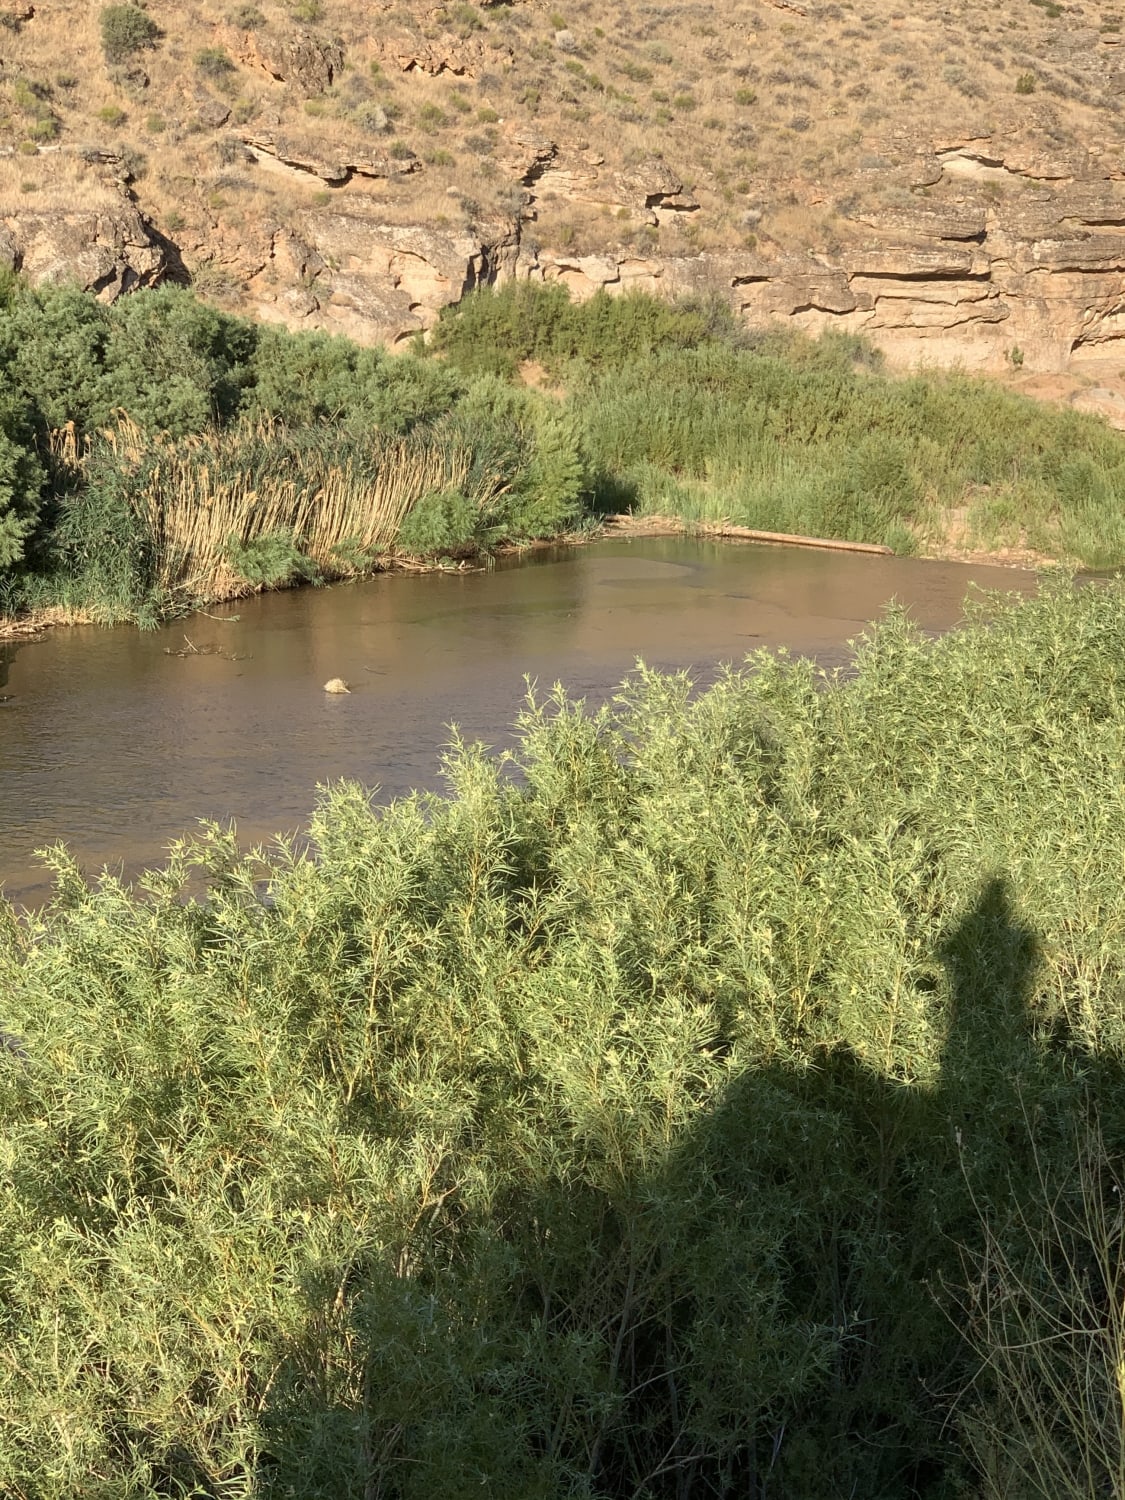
(137, 493)
(738, 1087)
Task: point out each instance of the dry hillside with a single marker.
(948, 179)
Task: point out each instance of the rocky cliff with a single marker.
(358, 170)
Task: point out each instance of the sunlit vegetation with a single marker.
(726, 1104)
(685, 412)
(160, 453)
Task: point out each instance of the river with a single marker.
(116, 746)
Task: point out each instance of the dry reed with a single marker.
(340, 498)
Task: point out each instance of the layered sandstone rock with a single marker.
(999, 253)
(373, 281)
(307, 62)
(91, 232)
(107, 251)
(307, 154)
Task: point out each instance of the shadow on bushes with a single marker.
(765, 1313)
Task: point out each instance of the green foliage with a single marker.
(535, 445)
(21, 480)
(214, 63)
(664, 407)
(655, 1109)
(445, 523)
(97, 552)
(175, 364)
(270, 561)
(494, 332)
(312, 377)
(125, 29)
(52, 346)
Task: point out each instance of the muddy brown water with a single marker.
(116, 747)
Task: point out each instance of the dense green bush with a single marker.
(125, 29)
(21, 479)
(442, 524)
(650, 1124)
(494, 332)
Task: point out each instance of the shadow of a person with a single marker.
(873, 1185)
(779, 1322)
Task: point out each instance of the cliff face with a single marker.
(999, 255)
(951, 185)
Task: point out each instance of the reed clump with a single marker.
(215, 514)
(703, 1110)
(210, 501)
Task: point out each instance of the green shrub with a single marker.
(444, 523)
(214, 63)
(125, 29)
(463, 17)
(46, 128)
(431, 117)
(99, 552)
(271, 561)
(21, 479)
(494, 332)
(710, 1089)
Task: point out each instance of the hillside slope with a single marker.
(948, 181)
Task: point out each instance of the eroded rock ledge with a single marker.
(976, 251)
(988, 253)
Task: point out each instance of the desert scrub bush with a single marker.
(431, 117)
(125, 29)
(644, 1107)
(214, 63)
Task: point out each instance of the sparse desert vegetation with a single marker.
(786, 130)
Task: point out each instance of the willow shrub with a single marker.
(631, 1121)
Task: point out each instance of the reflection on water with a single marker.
(115, 746)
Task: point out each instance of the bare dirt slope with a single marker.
(946, 178)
